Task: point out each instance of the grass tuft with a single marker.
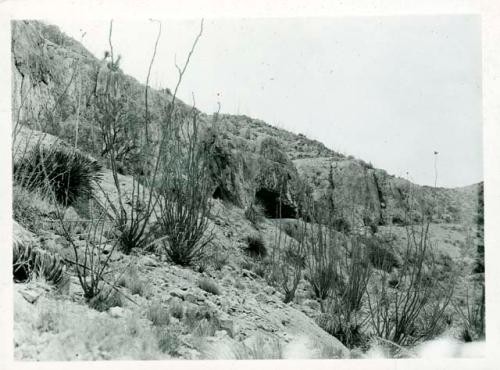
(209, 286)
(158, 314)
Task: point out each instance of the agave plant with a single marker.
(29, 262)
(65, 173)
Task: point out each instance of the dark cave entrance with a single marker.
(219, 194)
(270, 201)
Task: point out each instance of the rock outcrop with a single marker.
(251, 161)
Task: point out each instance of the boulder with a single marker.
(228, 326)
(31, 295)
(117, 312)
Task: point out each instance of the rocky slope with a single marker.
(253, 163)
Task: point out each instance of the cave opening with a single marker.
(270, 201)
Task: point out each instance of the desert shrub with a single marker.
(285, 264)
(119, 133)
(381, 257)
(416, 308)
(31, 262)
(168, 342)
(349, 332)
(131, 229)
(206, 328)
(247, 264)
(256, 246)
(322, 266)
(105, 299)
(202, 321)
(185, 199)
(357, 272)
(29, 208)
(343, 310)
(262, 348)
(255, 214)
(209, 286)
(270, 149)
(399, 221)
(92, 256)
(218, 258)
(366, 165)
(133, 282)
(64, 173)
(219, 261)
(471, 315)
(158, 314)
(341, 225)
(176, 310)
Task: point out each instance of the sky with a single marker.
(389, 90)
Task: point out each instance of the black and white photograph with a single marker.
(247, 188)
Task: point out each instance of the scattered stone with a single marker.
(150, 262)
(249, 274)
(194, 299)
(269, 290)
(177, 293)
(220, 334)
(31, 295)
(71, 215)
(117, 312)
(262, 298)
(21, 235)
(228, 326)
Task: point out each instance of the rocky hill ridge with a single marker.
(51, 69)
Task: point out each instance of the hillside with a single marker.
(48, 63)
(262, 181)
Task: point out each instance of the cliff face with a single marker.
(54, 81)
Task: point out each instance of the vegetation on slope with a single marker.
(359, 253)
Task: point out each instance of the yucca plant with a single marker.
(63, 172)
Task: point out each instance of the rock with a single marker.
(31, 295)
(228, 326)
(269, 290)
(117, 312)
(194, 299)
(21, 235)
(250, 274)
(150, 262)
(171, 301)
(178, 293)
(71, 215)
(220, 334)
(50, 245)
(262, 298)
